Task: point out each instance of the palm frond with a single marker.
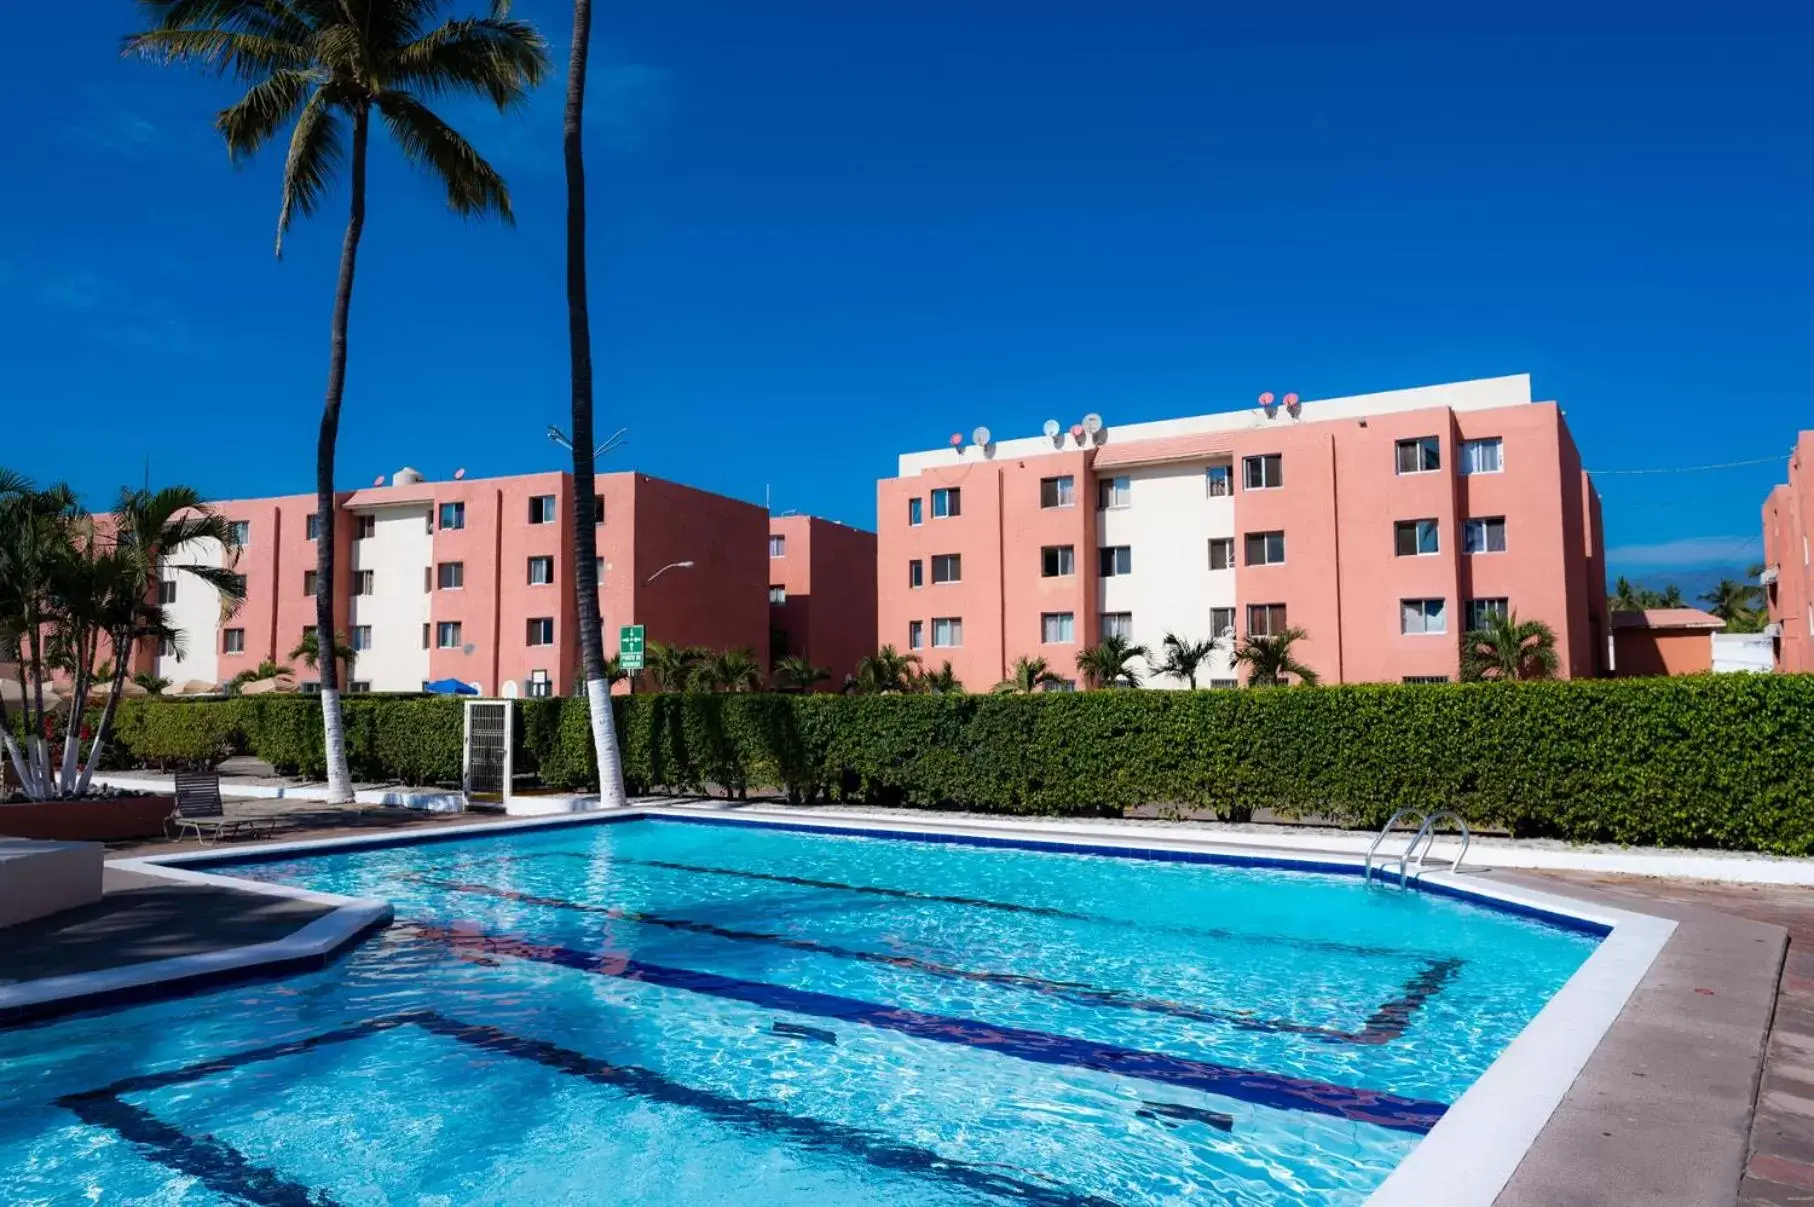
(315, 152)
(249, 123)
(245, 56)
(491, 57)
(473, 185)
(274, 17)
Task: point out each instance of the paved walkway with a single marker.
(302, 819)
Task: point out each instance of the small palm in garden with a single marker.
(1270, 662)
(796, 674)
(1506, 648)
(1110, 662)
(886, 671)
(1182, 659)
(1028, 676)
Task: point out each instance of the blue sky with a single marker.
(825, 233)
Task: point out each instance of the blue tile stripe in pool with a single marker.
(226, 1171)
(1385, 1024)
(1255, 1086)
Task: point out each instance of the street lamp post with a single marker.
(670, 566)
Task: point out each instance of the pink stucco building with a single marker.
(821, 593)
(1383, 525)
(1788, 577)
(471, 579)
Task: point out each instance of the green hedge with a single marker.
(1725, 761)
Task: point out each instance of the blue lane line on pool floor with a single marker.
(227, 1171)
(1385, 1024)
(1274, 1090)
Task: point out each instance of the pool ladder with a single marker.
(1419, 848)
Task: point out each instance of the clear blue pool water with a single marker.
(662, 1011)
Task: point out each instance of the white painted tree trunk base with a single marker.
(611, 793)
(340, 780)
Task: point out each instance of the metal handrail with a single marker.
(1381, 837)
(1427, 836)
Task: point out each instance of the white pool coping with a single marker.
(1466, 1159)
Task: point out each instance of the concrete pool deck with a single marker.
(1666, 1110)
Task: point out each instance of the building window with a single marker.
(1221, 623)
(1420, 456)
(428, 579)
(541, 571)
(947, 568)
(1224, 685)
(359, 685)
(450, 576)
(541, 630)
(777, 546)
(311, 525)
(426, 627)
(598, 510)
(1218, 481)
(1116, 560)
(1057, 627)
(1483, 456)
(453, 515)
(540, 686)
(947, 631)
(1426, 679)
(447, 635)
(1265, 620)
(164, 649)
(916, 574)
(947, 503)
(311, 581)
(1221, 553)
(777, 594)
(166, 590)
(1485, 535)
(233, 641)
(914, 513)
(1057, 561)
(541, 509)
(363, 582)
(1113, 493)
(1480, 612)
(1264, 472)
(365, 527)
(1118, 624)
(1418, 616)
(428, 523)
(1057, 492)
(916, 634)
(1415, 538)
(598, 570)
(1061, 685)
(362, 637)
(1265, 548)
(240, 532)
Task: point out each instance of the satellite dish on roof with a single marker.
(1092, 423)
(1050, 429)
(980, 437)
(378, 481)
(459, 473)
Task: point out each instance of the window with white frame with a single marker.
(541, 509)
(1113, 493)
(447, 635)
(1481, 612)
(1118, 624)
(1218, 481)
(1057, 628)
(916, 574)
(362, 637)
(164, 648)
(1061, 685)
(311, 525)
(1223, 685)
(453, 515)
(1265, 620)
(166, 590)
(540, 686)
(916, 634)
(233, 641)
(947, 568)
(364, 582)
(450, 576)
(1421, 455)
(1426, 679)
(541, 630)
(1115, 561)
(1485, 534)
(777, 593)
(1221, 622)
(427, 629)
(1484, 456)
(541, 571)
(915, 512)
(1265, 548)
(1057, 561)
(1266, 471)
(310, 581)
(359, 685)
(777, 545)
(365, 527)
(1221, 553)
(1057, 492)
(1416, 538)
(240, 532)
(947, 631)
(947, 503)
(1423, 616)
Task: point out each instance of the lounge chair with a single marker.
(198, 810)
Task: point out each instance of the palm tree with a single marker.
(1626, 597)
(669, 668)
(796, 674)
(1182, 658)
(1268, 659)
(327, 65)
(942, 682)
(154, 685)
(266, 669)
(1730, 600)
(727, 671)
(1027, 676)
(1507, 648)
(308, 652)
(1109, 663)
(886, 670)
(1671, 597)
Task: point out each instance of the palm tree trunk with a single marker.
(579, 339)
(121, 651)
(340, 780)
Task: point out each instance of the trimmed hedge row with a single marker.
(1724, 761)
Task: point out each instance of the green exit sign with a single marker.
(630, 647)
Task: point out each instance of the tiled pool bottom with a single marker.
(658, 1011)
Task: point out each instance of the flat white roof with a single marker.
(1481, 395)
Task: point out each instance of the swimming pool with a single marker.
(663, 1010)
